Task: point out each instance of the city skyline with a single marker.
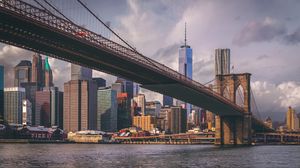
(274, 92)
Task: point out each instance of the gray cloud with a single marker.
(259, 31)
(293, 38)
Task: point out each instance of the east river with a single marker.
(173, 156)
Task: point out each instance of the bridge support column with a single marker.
(233, 130)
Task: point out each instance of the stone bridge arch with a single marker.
(233, 130)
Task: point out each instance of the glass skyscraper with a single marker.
(13, 104)
(186, 66)
(107, 109)
(222, 61)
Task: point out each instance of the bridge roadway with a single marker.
(34, 29)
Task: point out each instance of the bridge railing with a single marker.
(74, 31)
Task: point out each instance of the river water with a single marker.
(173, 156)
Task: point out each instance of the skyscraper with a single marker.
(80, 96)
(37, 71)
(185, 66)
(80, 73)
(48, 74)
(291, 119)
(177, 120)
(13, 104)
(1, 93)
(124, 113)
(22, 73)
(138, 105)
(127, 86)
(107, 109)
(167, 100)
(100, 82)
(222, 61)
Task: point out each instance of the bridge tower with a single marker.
(234, 130)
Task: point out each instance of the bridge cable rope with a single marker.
(254, 101)
(209, 81)
(131, 47)
(53, 7)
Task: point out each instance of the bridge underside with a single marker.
(192, 96)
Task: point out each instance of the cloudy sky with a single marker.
(263, 35)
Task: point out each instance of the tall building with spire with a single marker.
(48, 74)
(185, 66)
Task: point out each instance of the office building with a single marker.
(13, 98)
(127, 86)
(177, 120)
(100, 82)
(167, 100)
(222, 61)
(48, 74)
(153, 108)
(80, 73)
(43, 108)
(37, 71)
(30, 90)
(1, 93)
(107, 107)
(22, 73)
(292, 122)
(26, 112)
(163, 119)
(185, 67)
(80, 100)
(146, 123)
(124, 113)
(79, 105)
(138, 105)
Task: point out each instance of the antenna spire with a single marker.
(185, 34)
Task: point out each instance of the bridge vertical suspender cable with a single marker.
(92, 13)
(134, 49)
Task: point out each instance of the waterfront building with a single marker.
(146, 123)
(79, 105)
(269, 122)
(185, 67)
(107, 109)
(291, 119)
(124, 113)
(222, 61)
(177, 121)
(153, 108)
(167, 100)
(163, 118)
(1, 93)
(13, 98)
(22, 73)
(43, 108)
(26, 112)
(80, 100)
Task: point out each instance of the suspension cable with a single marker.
(53, 7)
